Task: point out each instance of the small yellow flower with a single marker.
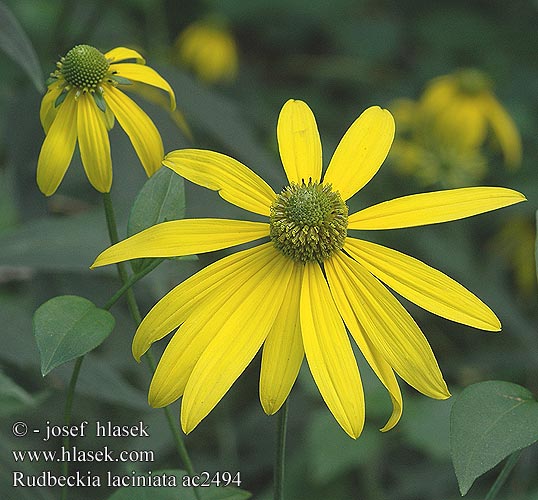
(209, 50)
(461, 109)
(296, 294)
(81, 103)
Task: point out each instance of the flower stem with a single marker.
(122, 271)
(282, 423)
(67, 415)
(503, 476)
(137, 317)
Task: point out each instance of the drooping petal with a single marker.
(329, 353)
(144, 74)
(48, 110)
(283, 350)
(58, 147)
(361, 151)
(122, 54)
(183, 237)
(176, 306)
(431, 208)
(505, 131)
(338, 285)
(242, 323)
(390, 329)
(94, 143)
(235, 182)
(425, 286)
(138, 126)
(201, 325)
(298, 142)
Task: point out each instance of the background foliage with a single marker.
(340, 57)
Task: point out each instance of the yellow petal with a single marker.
(94, 144)
(338, 282)
(176, 306)
(505, 131)
(138, 126)
(361, 151)
(183, 237)
(329, 353)
(242, 324)
(47, 111)
(144, 74)
(58, 147)
(202, 324)
(122, 54)
(283, 351)
(390, 329)
(298, 142)
(431, 208)
(234, 181)
(423, 285)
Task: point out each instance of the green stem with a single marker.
(137, 317)
(282, 423)
(122, 270)
(503, 476)
(180, 444)
(67, 416)
(130, 282)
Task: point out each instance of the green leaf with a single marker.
(164, 492)
(56, 243)
(67, 327)
(16, 44)
(489, 421)
(161, 198)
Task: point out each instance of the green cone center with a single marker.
(308, 221)
(84, 67)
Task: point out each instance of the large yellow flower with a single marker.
(82, 100)
(297, 293)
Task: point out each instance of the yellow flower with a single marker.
(296, 294)
(461, 108)
(209, 50)
(81, 103)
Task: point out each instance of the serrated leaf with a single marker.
(165, 492)
(16, 44)
(489, 421)
(67, 327)
(161, 198)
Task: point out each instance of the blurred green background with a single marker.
(340, 57)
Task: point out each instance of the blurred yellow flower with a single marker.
(81, 103)
(441, 136)
(296, 294)
(209, 49)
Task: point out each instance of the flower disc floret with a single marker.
(84, 67)
(308, 221)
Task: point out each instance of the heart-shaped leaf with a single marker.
(67, 327)
(489, 421)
